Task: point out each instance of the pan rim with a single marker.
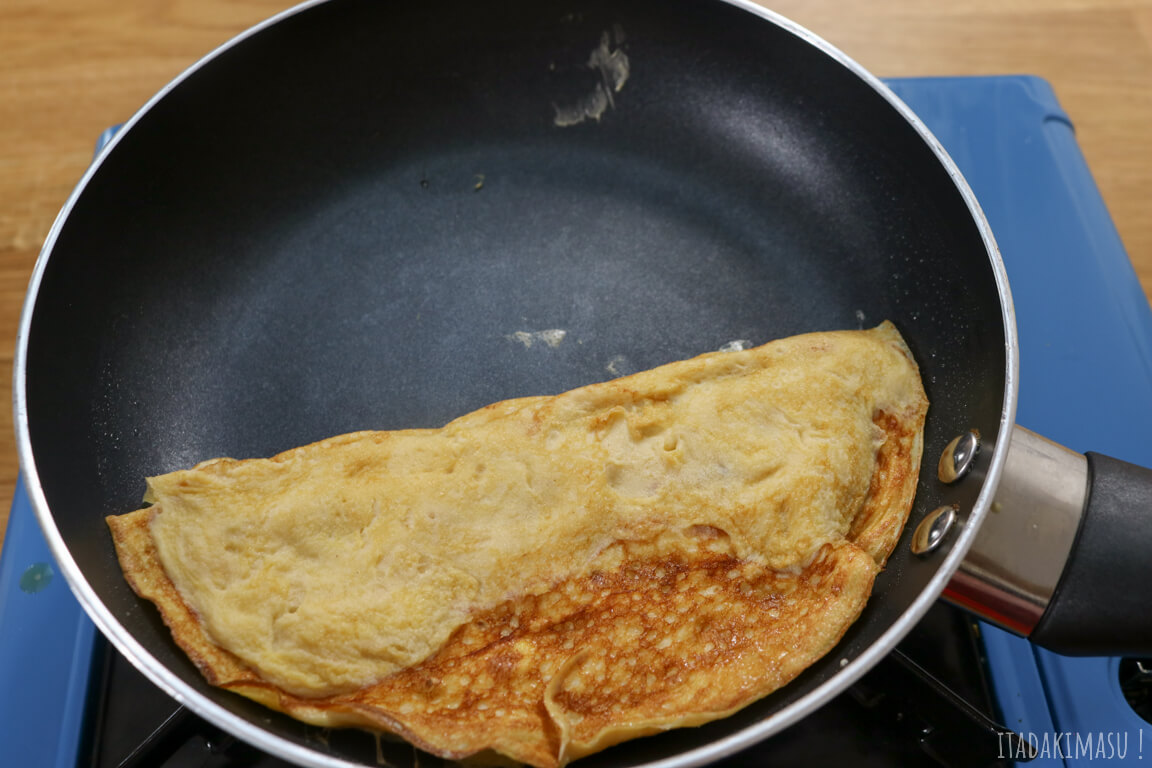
(174, 686)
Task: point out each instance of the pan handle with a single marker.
(1103, 602)
(1064, 555)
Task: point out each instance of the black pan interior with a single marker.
(344, 222)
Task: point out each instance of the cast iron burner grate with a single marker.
(927, 704)
(1136, 685)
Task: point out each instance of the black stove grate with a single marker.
(1136, 685)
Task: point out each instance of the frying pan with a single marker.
(362, 215)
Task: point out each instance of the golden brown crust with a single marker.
(720, 522)
(656, 643)
(878, 525)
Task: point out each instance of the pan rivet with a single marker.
(932, 530)
(957, 457)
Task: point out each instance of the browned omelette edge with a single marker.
(875, 529)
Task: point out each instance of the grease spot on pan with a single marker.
(609, 60)
(550, 337)
(619, 366)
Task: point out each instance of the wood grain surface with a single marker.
(70, 68)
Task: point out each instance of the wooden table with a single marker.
(70, 68)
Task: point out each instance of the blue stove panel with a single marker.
(45, 650)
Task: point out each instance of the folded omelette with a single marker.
(548, 576)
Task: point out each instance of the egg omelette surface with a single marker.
(548, 576)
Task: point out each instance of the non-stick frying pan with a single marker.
(363, 215)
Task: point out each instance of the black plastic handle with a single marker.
(1102, 605)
